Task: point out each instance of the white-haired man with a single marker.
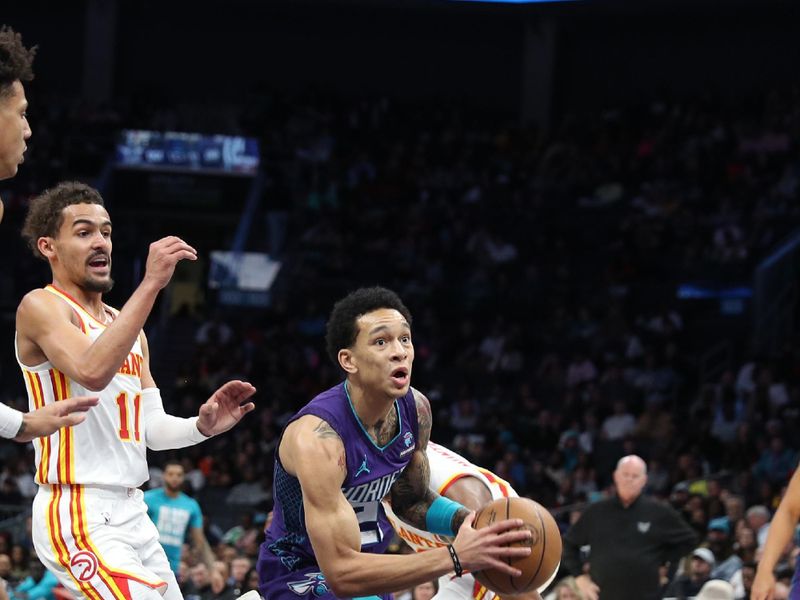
(630, 537)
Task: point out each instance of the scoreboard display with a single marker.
(187, 153)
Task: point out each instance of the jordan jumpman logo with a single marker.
(363, 468)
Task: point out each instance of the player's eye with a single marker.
(380, 342)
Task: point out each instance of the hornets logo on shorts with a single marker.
(314, 583)
(285, 549)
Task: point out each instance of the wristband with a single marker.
(456, 563)
(439, 518)
(10, 422)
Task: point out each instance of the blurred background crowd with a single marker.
(617, 279)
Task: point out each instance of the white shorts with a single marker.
(100, 543)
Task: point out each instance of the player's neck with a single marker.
(370, 408)
(170, 493)
(90, 301)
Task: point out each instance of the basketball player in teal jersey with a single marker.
(16, 66)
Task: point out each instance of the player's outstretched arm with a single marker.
(219, 413)
(49, 419)
(313, 451)
(225, 408)
(781, 530)
(45, 322)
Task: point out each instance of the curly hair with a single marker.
(16, 61)
(342, 329)
(46, 211)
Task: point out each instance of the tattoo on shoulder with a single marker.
(342, 463)
(22, 427)
(424, 417)
(323, 430)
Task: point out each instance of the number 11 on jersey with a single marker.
(124, 417)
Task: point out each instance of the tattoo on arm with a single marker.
(458, 518)
(424, 419)
(411, 495)
(324, 431)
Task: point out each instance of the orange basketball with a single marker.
(537, 568)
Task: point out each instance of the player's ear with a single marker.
(347, 361)
(45, 246)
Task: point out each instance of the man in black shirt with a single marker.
(630, 536)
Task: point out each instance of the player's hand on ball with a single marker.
(488, 547)
(225, 408)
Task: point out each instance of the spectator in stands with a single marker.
(566, 589)
(243, 536)
(175, 514)
(742, 581)
(254, 490)
(776, 462)
(688, 585)
(5, 569)
(38, 585)
(425, 591)
(240, 567)
(250, 581)
(9, 492)
(715, 589)
(734, 509)
(758, 518)
(719, 542)
(745, 545)
(20, 562)
(620, 424)
(208, 585)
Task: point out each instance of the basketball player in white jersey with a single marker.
(16, 66)
(90, 525)
(454, 477)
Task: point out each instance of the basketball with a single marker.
(539, 567)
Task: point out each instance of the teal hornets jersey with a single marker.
(172, 517)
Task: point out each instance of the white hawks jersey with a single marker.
(447, 467)
(108, 448)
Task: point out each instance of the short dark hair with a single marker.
(46, 211)
(16, 61)
(342, 329)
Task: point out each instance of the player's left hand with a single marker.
(225, 408)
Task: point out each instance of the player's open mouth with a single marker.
(99, 263)
(400, 376)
